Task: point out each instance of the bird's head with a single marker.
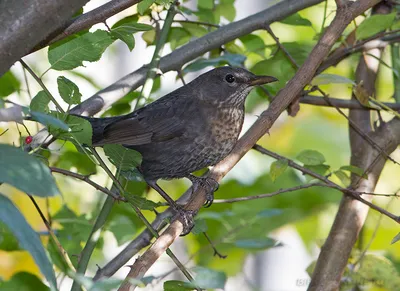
(227, 86)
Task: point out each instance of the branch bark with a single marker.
(293, 88)
(26, 23)
(352, 214)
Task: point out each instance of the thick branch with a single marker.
(352, 214)
(86, 21)
(25, 23)
(259, 128)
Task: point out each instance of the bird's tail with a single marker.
(98, 126)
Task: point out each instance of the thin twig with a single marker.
(198, 23)
(267, 195)
(40, 82)
(60, 248)
(87, 180)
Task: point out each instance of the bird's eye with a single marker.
(230, 78)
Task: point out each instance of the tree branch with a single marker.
(26, 23)
(293, 88)
(342, 103)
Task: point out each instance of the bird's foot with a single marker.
(186, 217)
(209, 184)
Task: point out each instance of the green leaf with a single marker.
(80, 129)
(8, 84)
(396, 238)
(226, 10)
(252, 43)
(80, 161)
(175, 285)
(200, 226)
(23, 281)
(125, 28)
(379, 270)
(342, 177)
(27, 237)
(144, 5)
(122, 157)
(122, 228)
(374, 24)
(209, 279)
(319, 169)
(40, 102)
(88, 47)
(178, 36)
(8, 242)
(194, 29)
(311, 157)
(355, 170)
(68, 90)
(205, 4)
(323, 79)
(123, 105)
(234, 60)
(48, 120)
(277, 168)
(296, 19)
(256, 243)
(25, 172)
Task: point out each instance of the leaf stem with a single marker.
(40, 82)
(155, 61)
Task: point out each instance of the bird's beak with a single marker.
(260, 80)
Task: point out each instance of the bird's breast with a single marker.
(225, 127)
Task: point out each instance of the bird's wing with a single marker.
(153, 123)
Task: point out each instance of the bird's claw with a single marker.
(186, 217)
(209, 184)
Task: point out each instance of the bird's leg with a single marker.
(209, 184)
(185, 216)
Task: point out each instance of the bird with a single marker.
(189, 129)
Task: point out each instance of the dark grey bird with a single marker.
(191, 128)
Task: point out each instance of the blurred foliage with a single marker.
(316, 138)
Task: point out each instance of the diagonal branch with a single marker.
(293, 88)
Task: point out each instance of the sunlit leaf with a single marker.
(80, 129)
(374, 24)
(25, 172)
(27, 237)
(125, 28)
(8, 84)
(144, 5)
(277, 168)
(311, 157)
(40, 102)
(88, 47)
(342, 177)
(355, 170)
(68, 90)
